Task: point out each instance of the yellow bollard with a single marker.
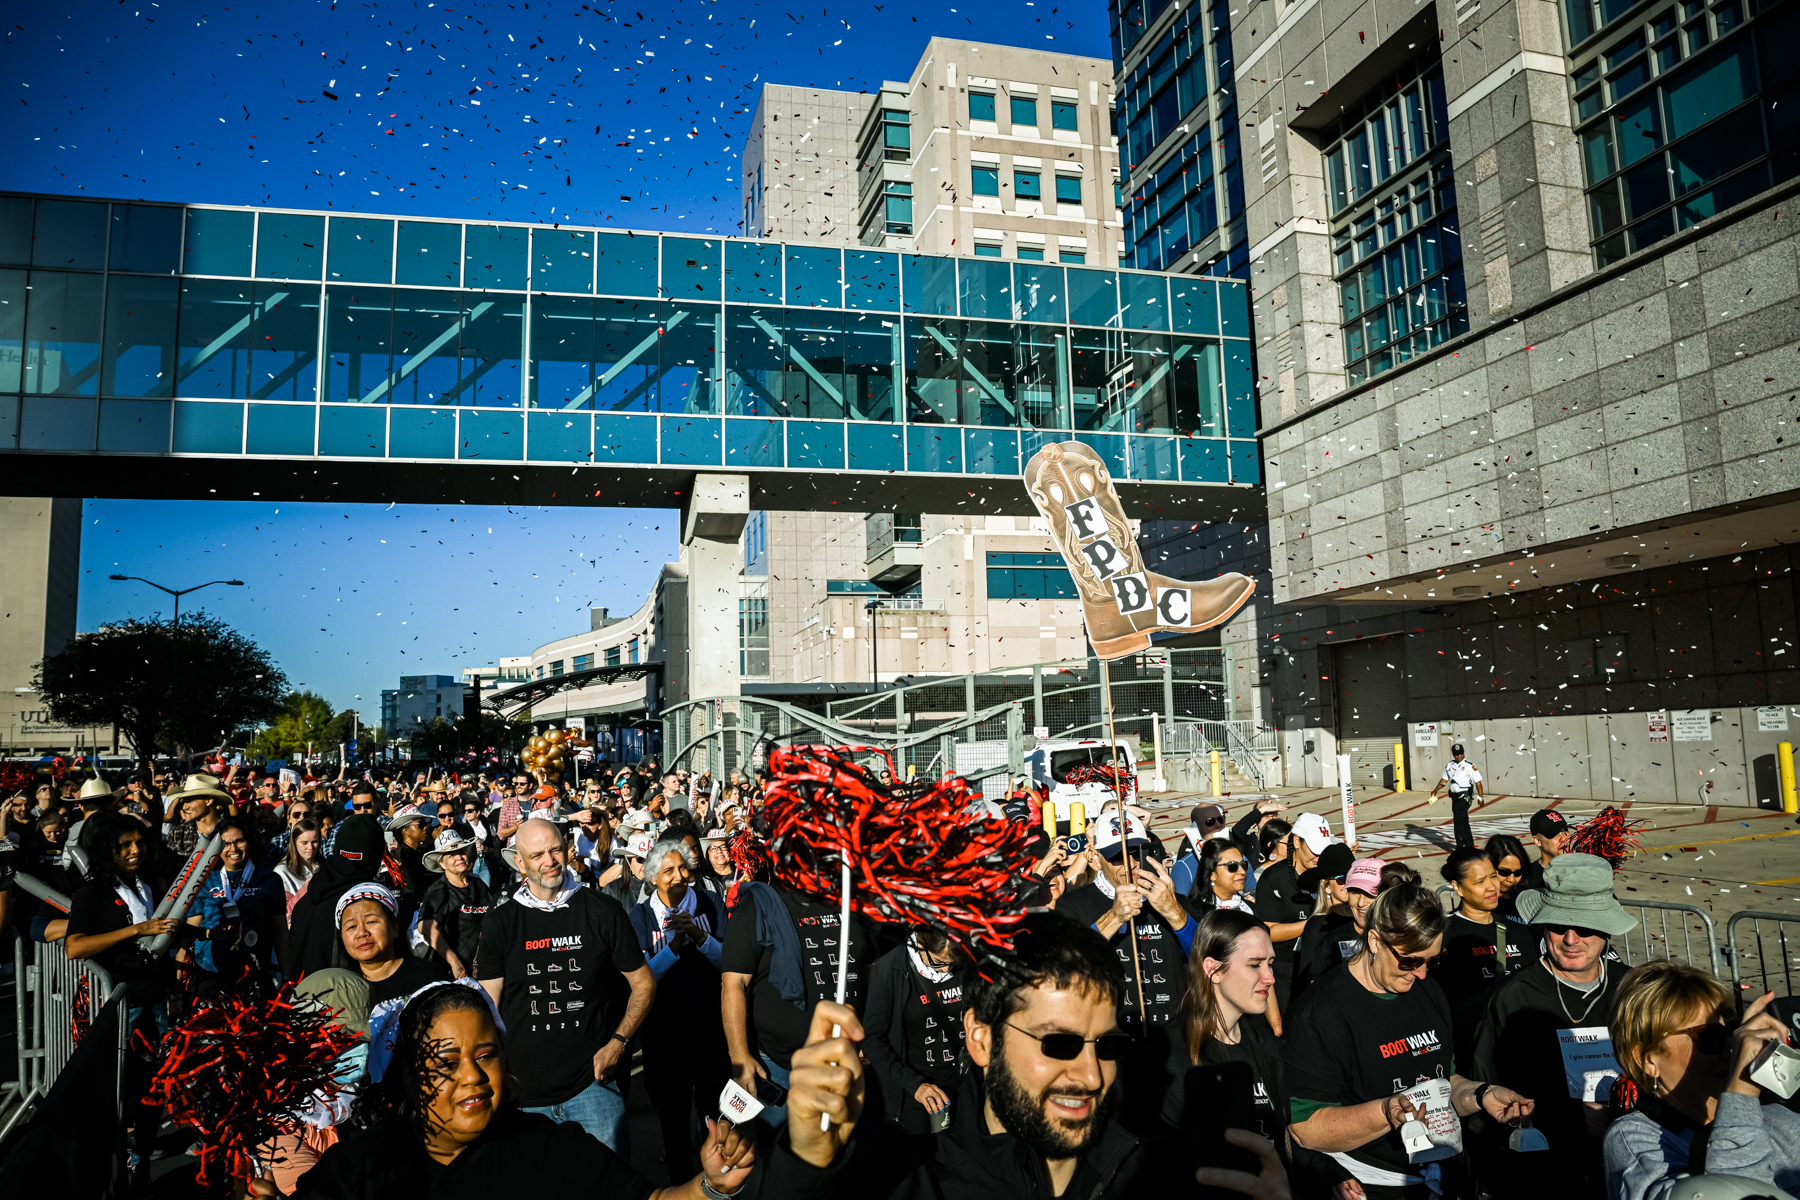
(1077, 818)
(1399, 767)
(1218, 785)
(1784, 760)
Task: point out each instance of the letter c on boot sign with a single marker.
(1085, 516)
(1132, 592)
(1173, 605)
(1104, 557)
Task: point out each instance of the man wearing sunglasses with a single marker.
(1546, 1023)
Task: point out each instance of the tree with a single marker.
(477, 743)
(185, 687)
(305, 720)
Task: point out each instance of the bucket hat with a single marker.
(1577, 891)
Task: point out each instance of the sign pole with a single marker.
(1112, 747)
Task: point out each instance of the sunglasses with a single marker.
(1510, 874)
(1408, 962)
(1711, 1038)
(1234, 867)
(1066, 1047)
(1579, 931)
(368, 807)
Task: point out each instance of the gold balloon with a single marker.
(553, 736)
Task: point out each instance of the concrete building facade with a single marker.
(799, 169)
(420, 700)
(40, 539)
(1525, 319)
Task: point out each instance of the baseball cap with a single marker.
(1365, 875)
(1334, 862)
(1207, 816)
(1110, 839)
(1457, 748)
(1314, 830)
(1547, 822)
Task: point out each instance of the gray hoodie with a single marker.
(1749, 1139)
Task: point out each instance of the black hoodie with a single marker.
(313, 930)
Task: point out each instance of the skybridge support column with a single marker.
(711, 525)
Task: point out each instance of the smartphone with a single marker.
(770, 1094)
(1219, 1098)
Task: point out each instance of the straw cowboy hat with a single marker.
(95, 789)
(448, 842)
(200, 785)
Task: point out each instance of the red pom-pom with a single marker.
(237, 1071)
(1606, 835)
(918, 855)
(748, 858)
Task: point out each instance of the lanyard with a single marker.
(231, 893)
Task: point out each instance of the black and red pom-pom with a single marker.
(1608, 834)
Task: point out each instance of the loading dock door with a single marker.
(1370, 679)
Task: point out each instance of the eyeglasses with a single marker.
(1066, 1047)
(1710, 1037)
(1408, 962)
(1510, 874)
(1235, 866)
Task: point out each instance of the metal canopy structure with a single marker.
(537, 691)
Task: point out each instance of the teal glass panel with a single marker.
(753, 272)
(1152, 393)
(1193, 304)
(928, 285)
(15, 230)
(562, 260)
(358, 342)
(815, 277)
(621, 438)
(217, 242)
(816, 445)
(688, 375)
(1197, 380)
(560, 436)
(57, 423)
(1143, 301)
(362, 250)
(495, 436)
(285, 429)
(1240, 390)
(872, 349)
(875, 447)
(1204, 460)
(146, 239)
(1033, 440)
(986, 289)
(1111, 449)
(626, 338)
(992, 451)
(755, 359)
(984, 181)
(1093, 297)
(140, 337)
(421, 433)
(491, 347)
(427, 327)
(1062, 115)
(692, 442)
(428, 254)
(1040, 293)
(494, 256)
(284, 341)
(627, 264)
(290, 246)
(70, 235)
(1706, 90)
(9, 422)
(1094, 360)
(872, 280)
(562, 352)
(138, 426)
(690, 269)
(1246, 462)
(358, 431)
(202, 428)
(753, 442)
(981, 106)
(1024, 110)
(62, 334)
(12, 330)
(1640, 129)
(935, 448)
(1154, 458)
(1234, 308)
(805, 357)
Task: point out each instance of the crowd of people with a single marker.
(517, 955)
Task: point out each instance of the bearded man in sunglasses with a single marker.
(1545, 1030)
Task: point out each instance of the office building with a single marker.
(420, 700)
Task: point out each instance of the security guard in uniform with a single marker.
(1463, 782)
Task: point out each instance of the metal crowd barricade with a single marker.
(1656, 938)
(54, 997)
(1773, 936)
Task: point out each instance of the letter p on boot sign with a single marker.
(1123, 603)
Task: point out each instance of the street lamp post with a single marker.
(872, 607)
(179, 593)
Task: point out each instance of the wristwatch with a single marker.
(622, 1040)
(1480, 1092)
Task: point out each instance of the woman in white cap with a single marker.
(373, 943)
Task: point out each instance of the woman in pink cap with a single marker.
(1346, 887)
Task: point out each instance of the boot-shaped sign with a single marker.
(1123, 603)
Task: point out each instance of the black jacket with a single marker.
(892, 983)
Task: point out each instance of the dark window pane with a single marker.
(1024, 110)
(12, 329)
(1700, 160)
(494, 257)
(562, 352)
(140, 337)
(688, 370)
(146, 238)
(15, 230)
(627, 264)
(814, 277)
(362, 250)
(1736, 190)
(290, 246)
(872, 280)
(62, 334)
(139, 426)
(562, 260)
(1597, 152)
(625, 354)
(429, 254)
(358, 328)
(69, 235)
(698, 281)
(492, 350)
(284, 342)
(752, 272)
(1640, 130)
(981, 106)
(1707, 89)
(217, 242)
(1646, 187)
(1094, 361)
(426, 326)
(1608, 213)
(1652, 231)
(872, 346)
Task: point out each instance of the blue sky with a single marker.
(617, 113)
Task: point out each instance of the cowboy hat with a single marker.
(405, 817)
(1577, 891)
(95, 789)
(200, 785)
(448, 842)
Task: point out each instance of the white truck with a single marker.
(1068, 806)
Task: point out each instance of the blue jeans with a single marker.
(778, 1075)
(601, 1111)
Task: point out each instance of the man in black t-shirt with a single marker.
(564, 967)
(781, 959)
(451, 911)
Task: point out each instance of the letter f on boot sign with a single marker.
(1123, 603)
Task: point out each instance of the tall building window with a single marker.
(981, 106)
(1028, 577)
(1397, 250)
(753, 636)
(1026, 187)
(756, 544)
(1030, 253)
(896, 134)
(1024, 110)
(1062, 115)
(1682, 115)
(633, 650)
(612, 656)
(584, 662)
(1068, 189)
(897, 201)
(984, 181)
(556, 669)
(1072, 256)
(987, 249)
